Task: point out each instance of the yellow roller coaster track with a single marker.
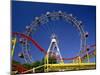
(69, 66)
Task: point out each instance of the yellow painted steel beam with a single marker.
(13, 46)
(71, 66)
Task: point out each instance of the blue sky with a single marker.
(23, 13)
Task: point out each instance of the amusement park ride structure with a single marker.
(53, 49)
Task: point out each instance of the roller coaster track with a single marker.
(71, 66)
(42, 49)
(19, 68)
(62, 67)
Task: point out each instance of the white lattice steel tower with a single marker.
(53, 51)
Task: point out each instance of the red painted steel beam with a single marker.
(38, 46)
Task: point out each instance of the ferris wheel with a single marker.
(25, 38)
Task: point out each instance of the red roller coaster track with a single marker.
(38, 46)
(21, 69)
(30, 39)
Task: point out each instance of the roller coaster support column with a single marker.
(88, 57)
(79, 58)
(13, 46)
(87, 49)
(46, 63)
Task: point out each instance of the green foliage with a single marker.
(52, 60)
(28, 66)
(15, 62)
(36, 64)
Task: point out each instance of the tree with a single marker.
(28, 66)
(52, 60)
(15, 62)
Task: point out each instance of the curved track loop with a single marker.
(30, 39)
(42, 49)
